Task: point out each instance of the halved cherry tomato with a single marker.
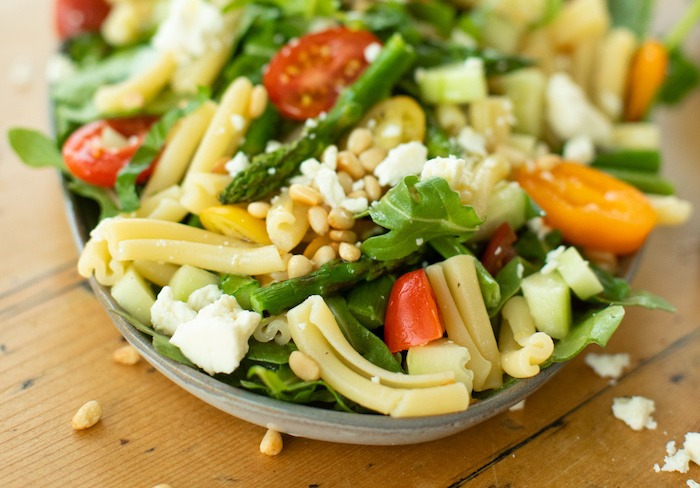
(500, 249)
(73, 17)
(305, 77)
(412, 316)
(591, 209)
(90, 159)
(234, 221)
(394, 121)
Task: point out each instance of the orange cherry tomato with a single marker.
(412, 316)
(90, 160)
(305, 77)
(73, 17)
(647, 74)
(591, 209)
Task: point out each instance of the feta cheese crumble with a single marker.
(608, 365)
(216, 340)
(168, 313)
(635, 411)
(403, 160)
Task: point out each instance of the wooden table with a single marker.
(56, 345)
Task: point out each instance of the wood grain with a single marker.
(56, 346)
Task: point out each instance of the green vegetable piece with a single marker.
(135, 295)
(617, 291)
(148, 151)
(578, 274)
(241, 287)
(329, 279)
(269, 352)
(101, 196)
(368, 300)
(596, 327)
(269, 171)
(433, 52)
(509, 279)
(416, 211)
(642, 160)
(643, 181)
(188, 279)
(35, 149)
(371, 347)
(682, 78)
(633, 14)
(549, 300)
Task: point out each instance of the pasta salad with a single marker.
(378, 207)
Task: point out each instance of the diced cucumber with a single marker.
(501, 33)
(135, 295)
(507, 203)
(549, 300)
(190, 278)
(577, 274)
(454, 83)
(526, 89)
(438, 356)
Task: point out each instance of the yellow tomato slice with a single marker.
(591, 209)
(394, 121)
(234, 221)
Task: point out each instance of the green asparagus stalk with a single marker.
(431, 53)
(269, 171)
(329, 279)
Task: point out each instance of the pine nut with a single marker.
(257, 102)
(299, 265)
(360, 140)
(345, 181)
(372, 188)
(343, 236)
(258, 209)
(305, 194)
(340, 219)
(358, 194)
(87, 415)
(349, 252)
(304, 367)
(271, 443)
(318, 219)
(371, 158)
(126, 355)
(325, 254)
(349, 163)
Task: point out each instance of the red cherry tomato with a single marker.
(90, 160)
(304, 78)
(412, 316)
(73, 17)
(500, 249)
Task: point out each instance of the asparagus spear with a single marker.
(269, 171)
(329, 279)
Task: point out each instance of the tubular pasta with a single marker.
(221, 259)
(134, 92)
(96, 258)
(226, 130)
(522, 349)
(287, 222)
(456, 329)
(397, 402)
(182, 143)
(164, 205)
(323, 318)
(488, 172)
(201, 190)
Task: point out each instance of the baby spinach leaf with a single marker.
(617, 291)
(269, 352)
(416, 211)
(36, 149)
(102, 196)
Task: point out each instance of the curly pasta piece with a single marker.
(522, 348)
(287, 222)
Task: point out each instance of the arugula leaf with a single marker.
(370, 346)
(416, 211)
(595, 327)
(125, 185)
(102, 196)
(36, 149)
(617, 291)
(683, 76)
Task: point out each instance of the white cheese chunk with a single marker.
(608, 365)
(204, 296)
(167, 313)
(635, 411)
(216, 340)
(403, 160)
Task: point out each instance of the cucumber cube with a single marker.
(549, 300)
(577, 274)
(190, 278)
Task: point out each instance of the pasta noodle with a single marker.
(275, 329)
(397, 402)
(96, 258)
(182, 143)
(522, 348)
(287, 222)
(135, 92)
(164, 205)
(202, 191)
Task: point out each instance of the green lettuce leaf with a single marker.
(416, 211)
(36, 149)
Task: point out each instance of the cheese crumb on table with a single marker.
(608, 365)
(679, 459)
(635, 411)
